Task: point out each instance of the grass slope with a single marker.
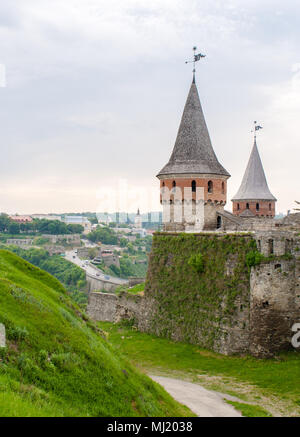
(57, 362)
(274, 379)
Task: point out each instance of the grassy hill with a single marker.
(57, 362)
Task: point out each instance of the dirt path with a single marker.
(203, 402)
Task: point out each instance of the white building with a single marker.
(78, 220)
(138, 220)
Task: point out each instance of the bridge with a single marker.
(96, 279)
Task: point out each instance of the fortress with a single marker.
(227, 281)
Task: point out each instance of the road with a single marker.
(93, 271)
(203, 402)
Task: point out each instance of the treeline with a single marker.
(104, 235)
(128, 268)
(43, 226)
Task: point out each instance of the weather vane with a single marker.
(197, 57)
(256, 128)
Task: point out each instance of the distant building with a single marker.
(109, 258)
(67, 238)
(78, 220)
(21, 218)
(46, 217)
(138, 220)
(21, 242)
(141, 232)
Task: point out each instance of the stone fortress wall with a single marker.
(266, 307)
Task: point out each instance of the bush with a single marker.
(254, 258)
(197, 262)
(17, 333)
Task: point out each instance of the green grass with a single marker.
(279, 376)
(250, 410)
(57, 362)
(138, 288)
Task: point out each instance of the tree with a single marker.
(123, 242)
(93, 252)
(93, 220)
(13, 228)
(104, 235)
(126, 267)
(4, 222)
(131, 249)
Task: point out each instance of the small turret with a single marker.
(254, 197)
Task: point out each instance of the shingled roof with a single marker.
(254, 184)
(193, 152)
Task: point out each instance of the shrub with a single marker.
(197, 262)
(254, 258)
(17, 333)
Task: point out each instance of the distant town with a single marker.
(98, 251)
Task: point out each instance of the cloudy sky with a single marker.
(94, 91)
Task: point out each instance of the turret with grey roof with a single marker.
(193, 152)
(193, 166)
(254, 185)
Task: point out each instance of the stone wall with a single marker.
(100, 284)
(2, 335)
(69, 238)
(274, 305)
(102, 306)
(20, 241)
(227, 307)
(114, 308)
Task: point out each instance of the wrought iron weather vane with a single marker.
(197, 57)
(256, 128)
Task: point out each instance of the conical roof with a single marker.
(193, 152)
(254, 185)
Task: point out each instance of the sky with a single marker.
(92, 92)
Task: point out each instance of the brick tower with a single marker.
(193, 183)
(254, 198)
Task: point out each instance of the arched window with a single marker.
(210, 187)
(247, 205)
(219, 222)
(174, 186)
(257, 207)
(223, 188)
(163, 187)
(193, 186)
(270, 207)
(238, 206)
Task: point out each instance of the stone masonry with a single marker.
(263, 328)
(2, 335)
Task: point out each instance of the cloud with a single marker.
(95, 92)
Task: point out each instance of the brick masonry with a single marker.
(265, 208)
(214, 201)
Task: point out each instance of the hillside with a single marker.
(57, 362)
